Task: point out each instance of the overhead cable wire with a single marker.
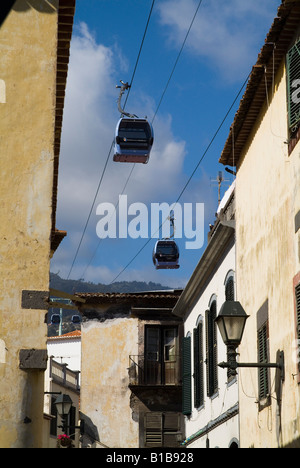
(109, 153)
(190, 178)
(178, 57)
(116, 207)
(164, 91)
(91, 210)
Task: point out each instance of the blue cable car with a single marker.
(55, 319)
(133, 140)
(166, 255)
(76, 319)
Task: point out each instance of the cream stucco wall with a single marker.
(28, 41)
(267, 195)
(105, 396)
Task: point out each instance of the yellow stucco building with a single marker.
(264, 146)
(34, 42)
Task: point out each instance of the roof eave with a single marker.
(280, 36)
(66, 12)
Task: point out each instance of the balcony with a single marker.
(61, 375)
(147, 370)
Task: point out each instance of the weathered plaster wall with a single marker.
(28, 40)
(105, 396)
(265, 203)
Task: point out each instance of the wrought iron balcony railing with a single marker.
(149, 370)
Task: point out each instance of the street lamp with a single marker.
(63, 405)
(231, 322)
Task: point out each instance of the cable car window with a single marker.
(76, 319)
(134, 135)
(55, 319)
(136, 131)
(167, 249)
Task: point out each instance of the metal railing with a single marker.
(148, 370)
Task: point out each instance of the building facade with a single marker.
(264, 146)
(210, 394)
(60, 379)
(66, 349)
(35, 40)
(131, 371)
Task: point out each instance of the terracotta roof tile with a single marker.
(73, 334)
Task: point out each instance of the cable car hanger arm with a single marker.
(124, 87)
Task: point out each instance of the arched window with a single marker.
(186, 375)
(234, 443)
(229, 287)
(198, 364)
(211, 348)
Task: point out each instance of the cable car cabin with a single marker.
(133, 141)
(55, 319)
(166, 255)
(76, 319)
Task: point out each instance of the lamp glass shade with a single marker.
(63, 404)
(231, 322)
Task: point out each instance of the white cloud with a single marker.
(225, 33)
(90, 117)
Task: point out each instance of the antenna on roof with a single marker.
(220, 179)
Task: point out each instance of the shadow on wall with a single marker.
(90, 437)
(43, 6)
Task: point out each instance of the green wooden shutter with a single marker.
(186, 376)
(198, 366)
(297, 295)
(211, 350)
(229, 289)
(293, 82)
(263, 357)
(171, 427)
(213, 316)
(162, 429)
(153, 430)
(53, 422)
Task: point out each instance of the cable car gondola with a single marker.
(55, 319)
(133, 136)
(133, 140)
(166, 255)
(76, 319)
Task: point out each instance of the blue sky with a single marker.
(218, 55)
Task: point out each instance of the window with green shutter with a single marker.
(198, 366)
(186, 376)
(162, 429)
(263, 357)
(211, 350)
(229, 289)
(53, 421)
(293, 84)
(297, 296)
(229, 296)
